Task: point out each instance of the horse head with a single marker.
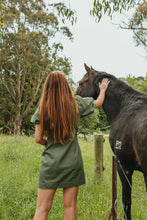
(88, 85)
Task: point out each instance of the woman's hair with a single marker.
(58, 109)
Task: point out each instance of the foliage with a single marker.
(139, 83)
(137, 25)
(138, 21)
(2, 18)
(95, 122)
(27, 56)
(20, 160)
(104, 124)
(109, 7)
(89, 124)
(65, 13)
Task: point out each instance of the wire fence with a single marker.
(133, 192)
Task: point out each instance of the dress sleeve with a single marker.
(86, 105)
(35, 118)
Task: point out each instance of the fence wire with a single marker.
(144, 213)
(118, 161)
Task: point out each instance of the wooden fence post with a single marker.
(98, 155)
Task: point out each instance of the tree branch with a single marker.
(7, 88)
(10, 129)
(133, 28)
(139, 38)
(35, 93)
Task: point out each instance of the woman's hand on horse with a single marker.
(104, 84)
(103, 87)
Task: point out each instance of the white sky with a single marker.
(102, 45)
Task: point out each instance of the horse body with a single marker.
(128, 134)
(126, 108)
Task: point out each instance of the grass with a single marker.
(20, 160)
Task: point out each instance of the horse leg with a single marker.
(145, 179)
(125, 177)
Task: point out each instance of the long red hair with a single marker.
(58, 109)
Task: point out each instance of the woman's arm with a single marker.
(38, 135)
(103, 87)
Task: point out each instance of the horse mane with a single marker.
(119, 86)
(119, 95)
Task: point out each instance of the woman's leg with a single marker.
(70, 203)
(44, 203)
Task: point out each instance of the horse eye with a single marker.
(81, 83)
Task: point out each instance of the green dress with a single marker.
(62, 164)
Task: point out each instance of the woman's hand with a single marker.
(103, 87)
(104, 84)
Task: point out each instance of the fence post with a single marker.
(98, 156)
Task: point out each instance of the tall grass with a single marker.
(20, 160)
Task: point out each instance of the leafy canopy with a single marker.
(136, 23)
(27, 55)
(101, 7)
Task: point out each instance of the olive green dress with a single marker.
(62, 164)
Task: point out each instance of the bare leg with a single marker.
(70, 203)
(44, 203)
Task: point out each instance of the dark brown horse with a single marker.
(126, 109)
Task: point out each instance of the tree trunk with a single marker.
(18, 119)
(17, 125)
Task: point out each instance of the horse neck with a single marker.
(112, 106)
(117, 99)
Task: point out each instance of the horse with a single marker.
(126, 109)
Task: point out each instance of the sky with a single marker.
(102, 45)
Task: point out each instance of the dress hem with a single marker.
(58, 185)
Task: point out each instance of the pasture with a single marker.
(19, 162)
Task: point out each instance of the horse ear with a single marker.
(87, 68)
(92, 68)
(90, 71)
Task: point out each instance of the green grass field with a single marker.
(20, 160)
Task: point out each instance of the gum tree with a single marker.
(27, 55)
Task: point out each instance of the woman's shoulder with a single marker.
(86, 105)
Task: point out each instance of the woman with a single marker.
(62, 167)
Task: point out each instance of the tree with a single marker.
(101, 7)
(137, 21)
(103, 124)
(89, 124)
(27, 56)
(2, 18)
(137, 25)
(139, 83)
